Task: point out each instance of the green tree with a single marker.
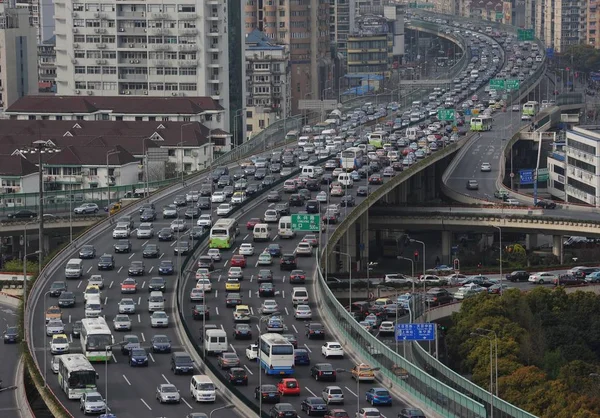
(16, 266)
(584, 58)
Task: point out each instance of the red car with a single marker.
(288, 386)
(238, 261)
(252, 222)
(297, 276)
(337, 413)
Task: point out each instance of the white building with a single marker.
(18, 56)
(153, 48)
(574, 172)
(17, 174)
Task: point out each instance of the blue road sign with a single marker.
(526, 176)
(454, 249)
(467, 112)
(550, 53)
(415, 332)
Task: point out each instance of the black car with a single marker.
(288, 262)
(149, 206)
(323, 371)
(206, 189)
(274, 196)
(296, 200)
(268, 181)
(138, 357)
(151, 251)
(206, 262)
(56, 288)
(348, 201)
(87, 251)
(252, 188)
(76, 330)
(315, 330)
(312, 206)
(122, 246)
(165, 234)
(196, 232)
(283, 208)
(274, 250)
(180, 200)
(237, 376)
(203, 203)
(223, 181)
(160, 344)
(158, 284)
(327, 178)
(191, 213)
(260, 173)
(148, 215)
(266, 290)
(106, 262)
(242, 332)
(200, 311)
(136, 268)
(11, 335)
(313, 185)
(438, 296)
(232, 300)
(129, 341)
(249, 170)
(376, 179)
(268, 393)
(22, 214)
(66, 300)
(182, 247)
(166, 268)
(569, 280)
(518, 276)
(292, 339)
(411, 413)
(544, 204)
(181, 362)
(265, 276)
(314, 405)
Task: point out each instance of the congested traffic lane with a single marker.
(131, 391)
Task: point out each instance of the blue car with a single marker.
(378, 396)
(355, 176)
(593, 277)
(166, 267)
(138, 357)
(275, 324)
(274, 250)
(301, 357)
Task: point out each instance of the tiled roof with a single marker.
(89, 155)
(15, 165)
(115, 104)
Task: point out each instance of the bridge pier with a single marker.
(363, 241)
(557, 247)
(430, 183)
(446, 247)
(531, 241)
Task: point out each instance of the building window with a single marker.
(261, 124)
(187, 152)
(93, 171)
(249, 128)
(249, 114)
(171, 153)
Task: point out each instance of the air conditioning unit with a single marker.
(1, 88)
(195, 153)
(130, 45)
(123, 92)
(73, 61)
(145, 92)
(76, 46)
(131, 61)
(97, 30)
(121, 29)
(117, 174)
(96, 15)
(77, 92)
(75, 30)
(75, 14)
(90, 92)
(173, 94)
(143, 14)
(128, 92)
(137, 61)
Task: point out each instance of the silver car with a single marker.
(167, 393)
(169, 211)
(178, 225)
(55, 326)
(92, 403)
(86, 208)
(126, 306)
(145, 230)
(269, 306)
(122, 323)
(303, 312)
(235, 273)
(96, 280)
(159, 319)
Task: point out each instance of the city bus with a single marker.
(482, 123)
(95, 337)
(223, 233)
(335, 115)
(352, 159)
(76, 375)
(292, 136)
(531, 108)
(377, 138)
(276, 354)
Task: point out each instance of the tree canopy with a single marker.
(586, 58)
(548, 349)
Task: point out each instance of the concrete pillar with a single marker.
(531, 241)
(557, 247)
(446, 247)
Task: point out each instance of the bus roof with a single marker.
(76, 362)
(224, 223)
(95, 325)
(273, 338)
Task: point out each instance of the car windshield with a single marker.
(94, 398)
(161, 339)
(159, 315)
(169, 389)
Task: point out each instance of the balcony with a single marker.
(189, 32)
(188, 63)
(160, 16)
(160, 63)
(160, 31)
(214, 65)
(187, 16)
(131, 30)
(188, 47)
(161, 47)
(213, 32)
(74, 179)
(133, 77)
(213, 48)
(213, 17)
(214, 80)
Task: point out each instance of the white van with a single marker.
(93, 307)
(202, 388)
(74, 268)
(260, 232)
(285, 228)
(215, 341)
(299, 296)
(345, 180)
(156, 301)
(308, 170)
(412, 133)
(417, 103)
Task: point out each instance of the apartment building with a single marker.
(18, 56)
(268, 82)
(339, 24)
(17, 174)
(304, 26)
(47, 66)
(370, 48)
(156, 48)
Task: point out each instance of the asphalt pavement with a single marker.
(8, 367)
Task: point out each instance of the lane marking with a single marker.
(113, 357)
(246, 237)
(111, 284)
(161, 256)
(216, 293)
(186, 402)
(139, 300)
(90, 269)
(250, 294)
(251, 310)
(286, 311)
(225, 264)
(248, 369)
(139, 318)
(151, 268)
(151, 357)
(219, 279)
(311, 392)
(144, 244)
(166, 380)
(143, 338)
(308, 348)
(105, 300)
(233, 348)
(120, 268)
(131, 256)
(144, 402)
(143, 284)
(251, 278)
(127, 380)
(79, 284)
(283, 294)
(173, 243)
(69, 319)
(295, 330)
(217, 310)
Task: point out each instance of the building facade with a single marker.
(370, 48)
(47, 66)
(339, 27)
(18, 56)
(155, 49)
(268, 82)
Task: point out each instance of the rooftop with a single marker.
(258, 40)
(15, 166)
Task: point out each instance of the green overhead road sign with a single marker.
(513, 84)
(445, 114)
(525, 35)
(497, 84)
(499, 15)
(306, 223)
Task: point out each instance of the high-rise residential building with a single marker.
(593, 24)
(339, 27)
(18, 55)
(561, 23)
(268, 82)
(304, 26)
(153, 48)
(370, 48)
(236, 69)
(47, 66)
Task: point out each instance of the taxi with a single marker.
(233, 285)
(53, 312)
(288, 386)
(241, 313)
(59, 344)
(363, 373)
(90, 291)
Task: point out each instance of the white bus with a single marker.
(377, 138)
(95, 337)
(292, 136)
(531, 108)
(76, 375)
(223, 233)
(482, 123)
(276, 355)
(351, 159)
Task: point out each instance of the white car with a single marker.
(386, 327)
(322, 197)
(271, 215)
(96, 280)
(55, 326)
(468, 290)
(204, 220)
(217, 197)
(90, 292)
(223, 209)
(192, 196)
(204, 284)
(121, 230)
(145, 230)
(126, 306)
(214, 254)
(92, 403)
(332, 349)
(122, 323)
(252, 352)
(196, 295)
(246, 249)
(304, 249)
(486, 167)
(235, 273)
(303, 312)
(512, 202)
(54, 364)
(59, 344)
(202, 273)
(178, 225)
(268, 307)
(542, 277)
(159, 319)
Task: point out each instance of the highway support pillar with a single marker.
(446, 247)
(557, 247)
(351, 246)
(363, 240)
(531, 241)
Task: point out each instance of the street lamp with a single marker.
(476, 334)
(423, 244)
(145, 157)
(349, 273)
(373, 369)
(108, 154)
(500, 242)
(228, 406)
(238, 114)
(181, 142)
(45, 348)
(40, 148)
(412, 265)
(489, 331)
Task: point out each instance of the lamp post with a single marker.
(181, 142)
(500, 243)
(340, 88)
(108, 154)
(475, 334)
(228, 406)
(25, 261)
(373, 369)
(45, 348)
(145, 159)
(41, 147)
(489, 331)
(412, 266)
(423, 244)
(349, 272)
(238, 113)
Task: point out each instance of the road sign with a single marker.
(445, 114)
(415, 332)
(513, 84)
(525, 35)
(306, 222)
(497, 84)
(526, 176)
(543, 174)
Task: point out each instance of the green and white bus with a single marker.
(531, 108)
(223, 233)
(95, 337)
(377, 138)
(76, 375)
(482, 123)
